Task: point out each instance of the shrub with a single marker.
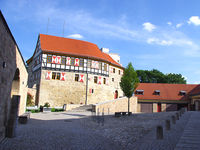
(47, 105)
(35, 111)
(53, 109)
(30, 100)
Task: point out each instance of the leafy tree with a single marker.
(175, 78)
(155, 76)
(29, 101)
(129, 82)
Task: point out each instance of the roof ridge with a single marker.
(68, 38)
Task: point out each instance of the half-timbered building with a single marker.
(69, 71)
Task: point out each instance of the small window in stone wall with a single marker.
(91, 90)
(76, 77)
(95, 79)
(53, 75)
(104, 80)
(113, 79)
(113, 70)
(57, 76)
(49, 59)
(119, 72)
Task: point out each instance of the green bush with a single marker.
(53, 109)
(56, 109)
(35, 111)
(47, 105)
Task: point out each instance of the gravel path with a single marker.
(80, 131)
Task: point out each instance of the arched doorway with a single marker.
(116, 94)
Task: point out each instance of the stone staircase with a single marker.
(83, 108)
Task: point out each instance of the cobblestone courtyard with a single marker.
(80, 131)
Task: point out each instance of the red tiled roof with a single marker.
(167, 91)
(69, 46)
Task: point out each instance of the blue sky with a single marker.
(160, 34)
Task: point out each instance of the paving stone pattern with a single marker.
(190, 140)
(78, 131)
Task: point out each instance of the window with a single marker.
(105, 67)
(95, 79)
(53, 75)
(49, 59)
(113, 79)
(76, 77)
(89, 64)
(157, 92)
(119, 72)
(104, 80)
(113, 70)
(91, 90)
(182, 93)
(139, 92)
(72, 61)
(63, 61)
(58, 76)
(81, 63)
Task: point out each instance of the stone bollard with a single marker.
(108, 111)
(177, 116)
(173, 120)
(102, 120)
(167, 124)
(180, 114)
(159, 132)
(98, 118)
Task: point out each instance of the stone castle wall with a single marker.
(11, 58)
(117, 105)
(58, 92)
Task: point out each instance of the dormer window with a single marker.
(139, 92)
(157, 92)
(182, 93)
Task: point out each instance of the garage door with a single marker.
(146, 107)
(171, 107)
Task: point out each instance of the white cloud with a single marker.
(148, 26)
(159, 42)
(179, 25)
(75, 36)
(169, 23)
(194, 20)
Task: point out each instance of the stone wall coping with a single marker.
(118, 99)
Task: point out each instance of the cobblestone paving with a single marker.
(171, 137)
(65, 134)
(78, 131)
(190, 140)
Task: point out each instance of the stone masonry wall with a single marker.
(117, 105)
(9, 55)
(58, 92)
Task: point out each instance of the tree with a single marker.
(175, 78)
(129, 82)
(155, 76)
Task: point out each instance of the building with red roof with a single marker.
(157, 97)
(64, 71)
